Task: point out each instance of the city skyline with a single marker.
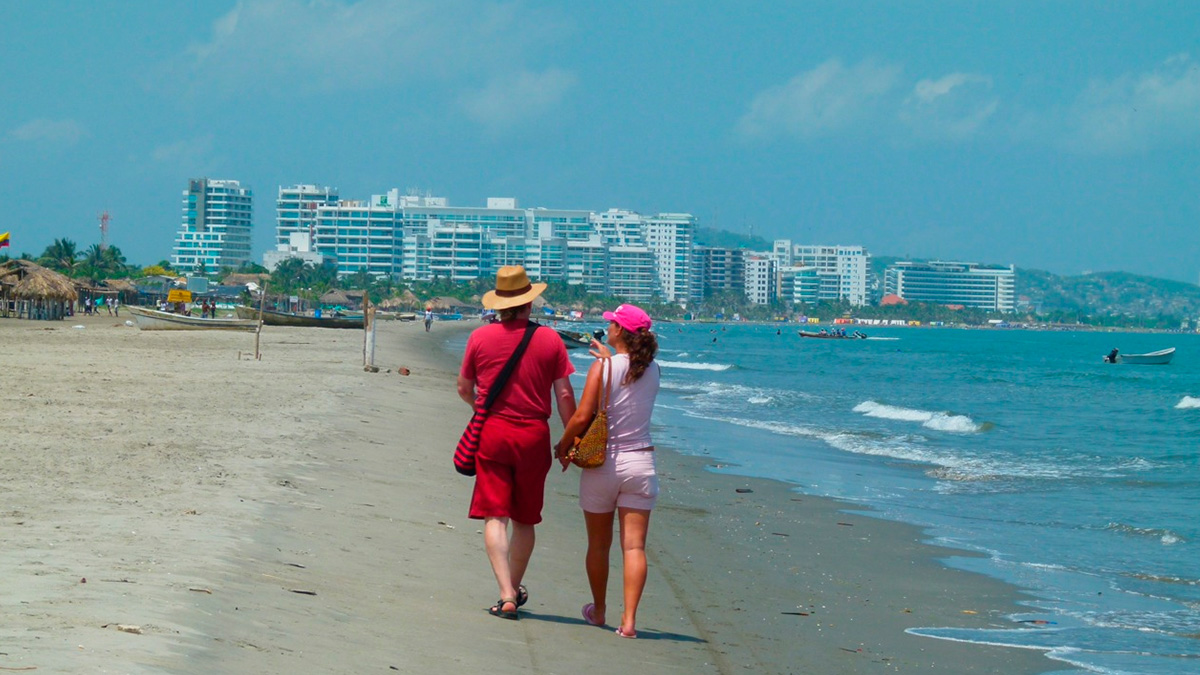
(1060, 138)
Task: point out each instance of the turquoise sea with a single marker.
(1078, 480)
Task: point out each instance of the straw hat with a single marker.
(513, 289)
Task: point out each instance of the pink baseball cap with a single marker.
(630, 317)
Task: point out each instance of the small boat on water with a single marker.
(153, 319)
(574, 340)
(833, 336)
(273, 318)
(1159, 358)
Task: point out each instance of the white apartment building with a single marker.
(988, 287)
(671, 236)
(296, 210)
(299, 246)
(842, 270)
(762, 287)
(407, 236)
(216, 226)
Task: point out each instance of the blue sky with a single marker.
(1055, 135)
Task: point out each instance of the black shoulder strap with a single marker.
(509, 366)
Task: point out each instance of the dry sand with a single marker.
(169, 507)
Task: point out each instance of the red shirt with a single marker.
(528, 392)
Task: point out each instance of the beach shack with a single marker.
(30, 291)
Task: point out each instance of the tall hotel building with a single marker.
(823, 273)
(216, 226)
(989, 287)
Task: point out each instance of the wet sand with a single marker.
(167, 506)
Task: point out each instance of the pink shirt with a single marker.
(528, 392)
(629, 407)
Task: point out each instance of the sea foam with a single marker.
(938, 421)
(694, 366)
(1188, 402)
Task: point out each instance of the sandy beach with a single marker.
(169, 504)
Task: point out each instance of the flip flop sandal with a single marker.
(588, 609)
(631, 635)
(498, 609)
(522, 596)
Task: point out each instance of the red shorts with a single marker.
(510, 470)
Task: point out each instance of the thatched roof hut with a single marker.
(34, 292)
(243, 279)
(336, 297)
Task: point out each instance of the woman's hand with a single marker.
(562, 452)
(598, 350)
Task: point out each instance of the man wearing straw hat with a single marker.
(514, 449)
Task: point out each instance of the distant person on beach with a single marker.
(514, 449)
(626, 484)
(116, 306)
(428, 318)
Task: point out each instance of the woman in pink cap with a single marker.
(626, 484)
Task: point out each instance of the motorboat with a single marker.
(833, 336)
(1159, 358)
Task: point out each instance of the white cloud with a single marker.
(1135, 112)
(510, 98)
(301, 47)
(827, 99)
(67, 132)
(952, 107)
(193, 153)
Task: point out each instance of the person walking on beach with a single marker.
(428, 318)
(626, 484)
(514, 454)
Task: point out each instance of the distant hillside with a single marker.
(707, 236)
(1112, 293)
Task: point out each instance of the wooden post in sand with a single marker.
(368, 332)
(262, 301)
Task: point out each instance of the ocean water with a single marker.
(1079, 481)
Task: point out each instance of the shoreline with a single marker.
(302, 474)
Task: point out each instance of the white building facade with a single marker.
(841, 270)
(216, 228)
(987, 287)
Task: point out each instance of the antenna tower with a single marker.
(104, 218)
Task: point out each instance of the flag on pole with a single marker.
(3, 239)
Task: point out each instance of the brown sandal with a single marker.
(498, 609)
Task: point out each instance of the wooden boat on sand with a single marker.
(273, 318)
(153, 319)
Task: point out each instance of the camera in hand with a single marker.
(598, 334)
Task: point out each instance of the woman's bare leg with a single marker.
(634, 525)
(600, 535)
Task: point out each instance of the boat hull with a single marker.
(832, 336)
(272, 318)
(152, 319)
(1159, 358)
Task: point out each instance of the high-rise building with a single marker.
(841, 270)
(989, 287)
(762, 287)
(216, 226)
(296, 210)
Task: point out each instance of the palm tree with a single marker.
(62, 256)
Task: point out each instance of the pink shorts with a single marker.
(626, 479)
(510, 470)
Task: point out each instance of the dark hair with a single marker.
(643, 346)
(510, 313)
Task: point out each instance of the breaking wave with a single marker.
(938, 421)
